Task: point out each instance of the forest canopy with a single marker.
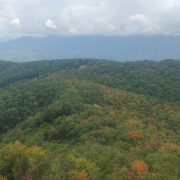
(90, 119)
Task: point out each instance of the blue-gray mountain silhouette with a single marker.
(120, 48)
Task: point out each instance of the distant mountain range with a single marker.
(119, 48)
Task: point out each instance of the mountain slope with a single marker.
(75, 120)
(114, 48)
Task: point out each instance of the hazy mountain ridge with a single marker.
(120, 48)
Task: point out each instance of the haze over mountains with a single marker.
(120, 48)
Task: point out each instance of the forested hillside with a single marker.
(90, 119)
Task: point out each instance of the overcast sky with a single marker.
(89, 17)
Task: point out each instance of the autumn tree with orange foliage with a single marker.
(138, 169)
(81, 176)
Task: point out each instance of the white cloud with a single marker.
(50, 24)
(140, 24)
(90, 17)
(15, 22)
(78, 8)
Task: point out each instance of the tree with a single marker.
(138, 169)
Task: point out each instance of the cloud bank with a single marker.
(90, 17)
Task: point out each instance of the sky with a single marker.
(89, 17)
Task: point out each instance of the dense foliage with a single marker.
(90, 119)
